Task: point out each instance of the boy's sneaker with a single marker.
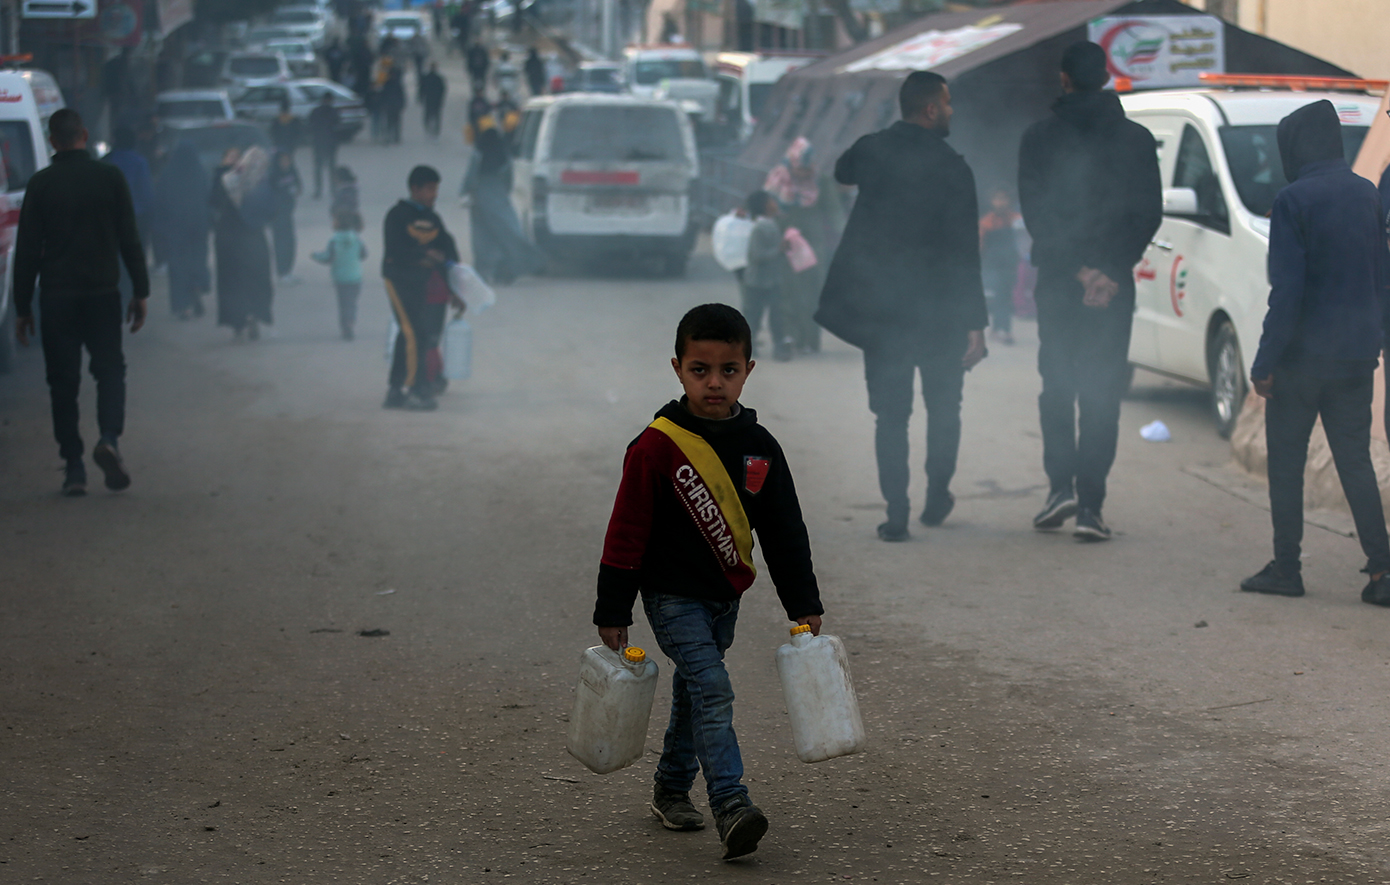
(108, 458)
(892, 531)
(1061, 506)
(675, 810)
(740, 825)
(1279, 581)
(74, 479)
(1377, 592)
(419, 401)
(1090, 527)
(937, 509)
(395, 399)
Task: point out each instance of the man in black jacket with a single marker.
(324, 122)
(904, 286)
(1092, 198)
(76, 227)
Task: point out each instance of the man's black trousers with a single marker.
(1083, 358)
(325, 160)
(889, 373)
(67, 323)
(1345, 407)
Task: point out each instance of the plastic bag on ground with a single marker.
(1155, 431)
(729, 239)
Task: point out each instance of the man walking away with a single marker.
(904, 286)
(535, 72)
(478, 61)
(76, 227)
(324, 121)
(432, 89)
(1328, 272)
(1092, 199)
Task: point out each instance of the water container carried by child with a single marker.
(608, 727)
(458, 350)
(820, 696)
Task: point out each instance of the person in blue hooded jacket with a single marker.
(1328, 271)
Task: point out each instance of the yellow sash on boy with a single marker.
(712, 498)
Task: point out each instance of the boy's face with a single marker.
(425, 194)
(713, 374)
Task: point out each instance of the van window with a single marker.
(613, 132)
(1195, 170)
(652, 71)
(1252, 152)
(17, 153)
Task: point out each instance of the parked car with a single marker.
(745, 81)
(194, 104)
(212, 140)
(243, 70)
(256, 38)
(597, 76)
(262, 103)
(607, 174)
(27, 99)
(308, 22)
(1202, 287)
(303, 60)
(404, 24)
(677, 73)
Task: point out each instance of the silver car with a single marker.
(194, 104)
(304, 62)
(262, 103)
(243, 70)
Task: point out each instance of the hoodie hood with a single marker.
(1311, 134)
(1090, 110)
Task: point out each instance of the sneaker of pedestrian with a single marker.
(938, 507)
(1280, 581)
(1060, 507)
(1090, 527)
(675, 810)
(395, 399)
(1377, 592)
(419, 401)
(108, 458)
(74, 479)
(893, 531)
(740, 825)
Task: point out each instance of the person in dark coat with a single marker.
(1328, 274)
(181, 225)
(286, 186)
(1092, 199)
(535, 72)
(242, 207)
(432, 90)
(286, 130)
(904, 286)
(392, 100)
(478, 61)
(324, 122)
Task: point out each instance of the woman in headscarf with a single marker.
(181, 228)
(812, 205)
(243, 205)
(501, 250)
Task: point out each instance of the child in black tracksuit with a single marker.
(696, 483)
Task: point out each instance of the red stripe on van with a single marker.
(572, 176)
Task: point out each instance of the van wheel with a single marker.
(1227, 372)
(674, 265)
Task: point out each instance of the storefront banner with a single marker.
(927, 50)
(1162, 50)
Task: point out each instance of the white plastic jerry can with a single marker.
(608, 727)
(820, 696)
(458, 350)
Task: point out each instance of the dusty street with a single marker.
(185, 696)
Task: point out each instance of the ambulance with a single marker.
(1202, 287)
(27, 99)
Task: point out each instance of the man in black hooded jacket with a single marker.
(1092, 199)
(1328, 272)
(904, 286)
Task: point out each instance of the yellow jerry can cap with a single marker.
(634, 655)
(801, 628)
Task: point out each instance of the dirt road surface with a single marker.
(185, 696)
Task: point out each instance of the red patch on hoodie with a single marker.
(755, 473)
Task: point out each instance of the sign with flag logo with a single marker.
(1154, 51)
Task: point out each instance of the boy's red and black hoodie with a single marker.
(669, 535)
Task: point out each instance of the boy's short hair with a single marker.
(756, 204)
(714, 322)
(421, 176)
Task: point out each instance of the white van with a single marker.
(27, 99)
(1202, 286)
(746, 80)
(607, 174)
(677, 73)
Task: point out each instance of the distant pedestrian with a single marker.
(336, 57)
(243, 205)
(324, 123)
(76, 229)
(462, 23)
(812, 206)
(478, 60)
(125, 156)
(764, 279)
(1089, 186)
(501, 250)
(1328, 272)
(418, 250)
(344, 256)
(432, 89)
(535, 72)
(999, 263)
(392, 104)
(181, 226)
(286, 130)
(345, 195)
(286, 185)
(904, 286)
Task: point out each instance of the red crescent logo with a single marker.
(1176, 292)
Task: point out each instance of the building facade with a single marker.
(1352, 34)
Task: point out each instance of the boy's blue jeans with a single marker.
(694, 634)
